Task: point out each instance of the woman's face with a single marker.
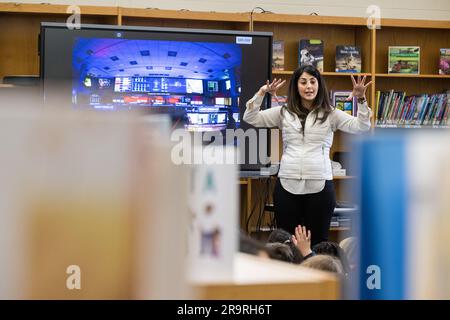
(308, 86)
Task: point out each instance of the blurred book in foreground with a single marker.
(84, 207)
(405, 215)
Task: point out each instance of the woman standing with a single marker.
(304, 192)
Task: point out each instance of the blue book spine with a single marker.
(383, 195)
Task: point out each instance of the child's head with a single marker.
(284, 237)
(333, 249)
(325, 263)
(279, 235)
(350, 247)
(280, 251)
(252, 246)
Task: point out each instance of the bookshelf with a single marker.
(19, 46)
(430, 36)
(374, 43)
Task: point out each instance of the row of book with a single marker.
(310, 51)
(401, 59)
(396, 108)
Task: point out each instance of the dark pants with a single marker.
(310, 210)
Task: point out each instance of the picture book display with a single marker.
(444, 61)
(348, 59)
(310, 52)
(404, 60)
(278, 55)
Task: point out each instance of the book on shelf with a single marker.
(444, 61)
(339, 100)
(397, 109)
(310, 51)
(278, 55)
(404, 60)
(448, 106)
(348, 59)
(278, 100)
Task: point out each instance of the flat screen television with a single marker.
(203, 77)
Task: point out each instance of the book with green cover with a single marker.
(404, 60)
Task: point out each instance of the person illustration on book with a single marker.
(304, 192)
(350, 63)
(210, 233)
(306, 57)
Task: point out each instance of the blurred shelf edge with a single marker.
(272, 280)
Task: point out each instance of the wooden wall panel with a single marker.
(196, 24)
(19, 42)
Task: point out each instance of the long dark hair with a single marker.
(321, 101)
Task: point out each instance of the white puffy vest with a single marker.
(306, 156)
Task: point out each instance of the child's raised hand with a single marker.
(302, 240)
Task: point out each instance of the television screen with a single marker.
(220, 101)
(204, 75)
(213, 86)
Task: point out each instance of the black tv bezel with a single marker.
(59, 25)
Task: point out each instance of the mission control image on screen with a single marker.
(199, 80)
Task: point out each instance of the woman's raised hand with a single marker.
(271, 87)
(359, 88)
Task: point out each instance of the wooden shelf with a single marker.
(345, 74)
(410, 126)
(281, 72)
(11, 7)
(332, 74)
(407, 23)
(339, 229)
(311, 19)
(418, 76)
(381, 75)
(343, 177)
